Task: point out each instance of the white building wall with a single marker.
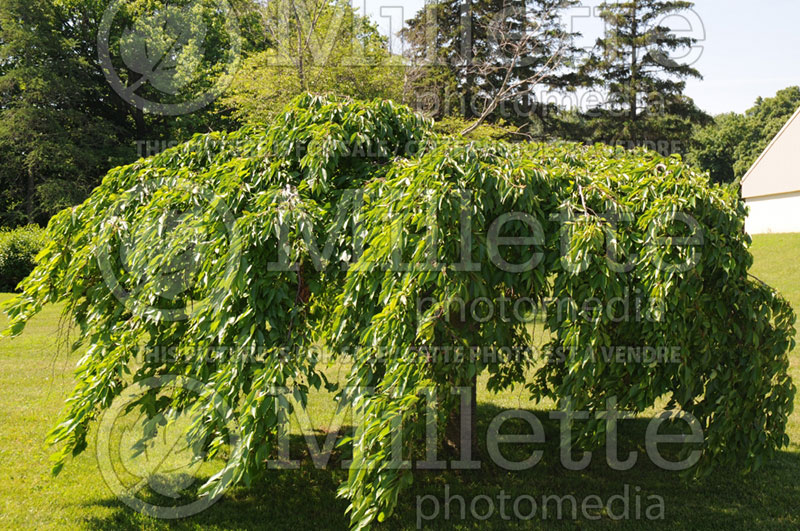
(774, 213)
(777, 170)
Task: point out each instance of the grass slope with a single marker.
(35, 378)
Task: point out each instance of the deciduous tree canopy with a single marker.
(728, 147)
(239, 240)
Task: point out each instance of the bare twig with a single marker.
(516, 47)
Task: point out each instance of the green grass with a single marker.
(35, 377)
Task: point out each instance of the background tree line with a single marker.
(480, 67)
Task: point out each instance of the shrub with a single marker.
(18, 250)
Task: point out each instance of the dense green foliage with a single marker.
(281, 498)
(728, 147)
(59, 130)
(18, 249)
(62, 125)
(714, 146)
(263, 199)
(340, 52)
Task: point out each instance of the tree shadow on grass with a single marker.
(306, 498)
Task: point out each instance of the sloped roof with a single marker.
(777, 170)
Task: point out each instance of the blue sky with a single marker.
(748, 48)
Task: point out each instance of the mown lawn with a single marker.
(35, 376)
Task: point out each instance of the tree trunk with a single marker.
(634, 66)
(301, 67)
(467, 52)
(141, 125)
(29, 193)
(461, 434)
